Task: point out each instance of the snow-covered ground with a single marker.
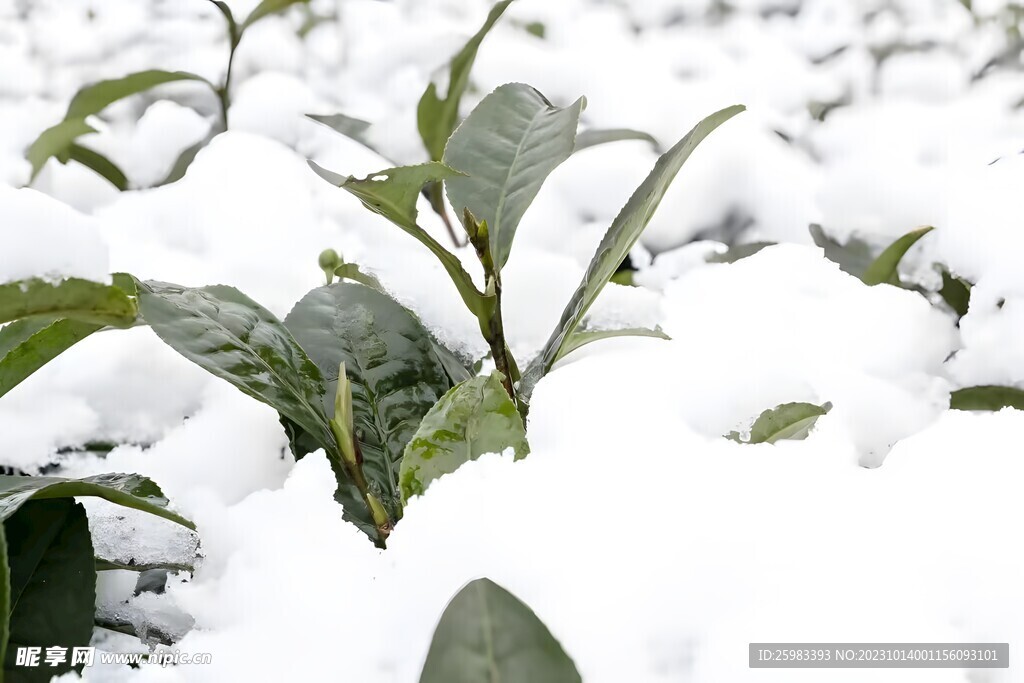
(654, 549)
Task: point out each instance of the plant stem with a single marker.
(436, 196)
(223, 93)
(499, 349)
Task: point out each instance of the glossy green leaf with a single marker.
(52, 583)
(583, 337)
(789, 421)
(128, 490)
(390, 362)
(55, 141)
(436, 117)
(29, 344)
(74, 298)
(987, 398)
(620, 238)
(99, 164)
(885, 269)
(602, 136)
(233, 337)
(393, 193)
(472, 419)
(507, 148)
(487, 635)
(266, 8)
(94, 98)
(853, 257)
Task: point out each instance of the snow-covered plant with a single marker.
(60, 140)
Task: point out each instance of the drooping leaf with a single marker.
(99, 164)
(345, 125)
(29, 344)
(582, 337)
(602, 136)
(620, 238)
(128, 490)
(987, 398)
(853, 257)
(956, 292)
(266, 8)
(233, 337)
(52, 584)
(789, 421)
(186, 157)
(741, 251)
(507, 147)
(487, 635)
(92, 99)
(393, 194)
(437, 118)
(74, 298)
(390, 362)
(55, 141)
(474, 418)
(885, 269)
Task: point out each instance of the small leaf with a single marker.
(854, 257)
(507, 148)
(351, 271)
(94, 98)
(602, 136)
(742, 251)
(885, 269)
(74, 298)
(436, 117)
(390, 361)
(584, 336)
(29, 344)
(956, 292)
(487, 635)
(185, 159)
(345, 125)
(987, 398)
(128, 490)
(55, 141)
(393, 193)
(620, 238)
(99, 164)
(266, 8)
(789, 421)
(52, 583)
(474, 418)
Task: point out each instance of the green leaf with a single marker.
(55, 141)
(231, 336)
(436, 117)
(474, 418)
(128, 490)
(345, 125)
(266, 8)
(507, 148)
(987, 398)
(602, 136)
(99, 164)
(74, 298)
(390, 362)
(52, 583)
(789, 421)
(620, 238)
(885, 269)
(351, 271)
(487, 635)
(393, 193)
(582, 337)
(185, 159)
(94, 98)
(741, 251)
(854, 257)
(29, 344)
(956, 292)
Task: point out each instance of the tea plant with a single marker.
(60, 141)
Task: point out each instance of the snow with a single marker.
(654, 549)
